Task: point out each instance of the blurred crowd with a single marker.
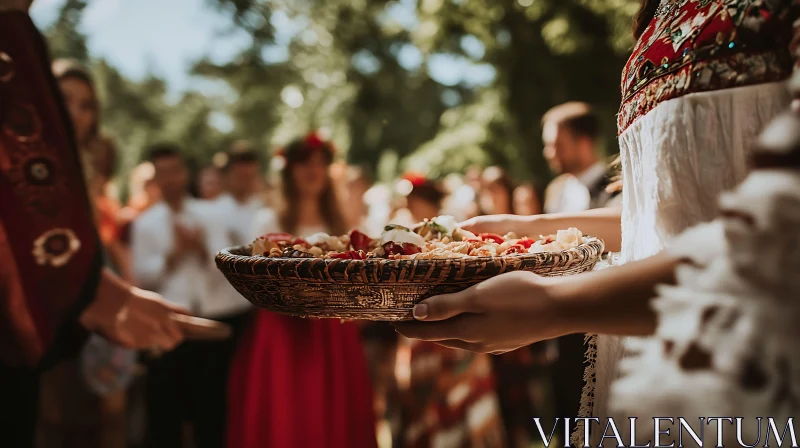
(164, 238)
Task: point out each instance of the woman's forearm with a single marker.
(604, 223)
(615, 301)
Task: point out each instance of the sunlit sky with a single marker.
(165, 36)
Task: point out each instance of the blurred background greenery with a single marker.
(429, 85)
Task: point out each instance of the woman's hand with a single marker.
(519, 308)
(499, 315)
(136, 318)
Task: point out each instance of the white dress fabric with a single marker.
(676, 160)
(726, 342)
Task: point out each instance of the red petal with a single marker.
(411, 249)
(515, 249)
(393, 249)
(526, 243)
(359, 241)
(300, 241)
(313, 140)
(492, 237)
(350, 255)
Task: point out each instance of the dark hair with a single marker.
(495, 175)
(105, 156)
(577, 117)
(644, 16)
(239, 153)
(64, 69)
(428, 191)
(301, 149)
(162, 150)
(297, 152)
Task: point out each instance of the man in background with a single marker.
(240, 201)
(173, 247)
(570, 133)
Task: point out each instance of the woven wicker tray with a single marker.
(378, 289)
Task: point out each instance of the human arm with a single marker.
(519, 308)
(130, 316)
(604, 223)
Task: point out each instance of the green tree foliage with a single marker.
(542, 53)
(370, 71)
(64, 39)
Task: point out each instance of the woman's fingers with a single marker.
(462, 345)
(460, 327)
(201, 329)
(446, 306)
(177, 308)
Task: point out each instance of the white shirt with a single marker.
(239, 216)
(593, 175)
(570, 193)
(195, 283)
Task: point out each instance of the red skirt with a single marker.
(300, 383)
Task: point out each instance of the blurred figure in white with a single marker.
(209, 183)
(379, 208)
(570, 133)
(143, 192)
(461, 201)
(241, 175)
(173, 246)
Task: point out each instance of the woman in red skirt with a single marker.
(298, 382)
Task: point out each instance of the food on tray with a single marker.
(440, 237)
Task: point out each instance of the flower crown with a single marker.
(313, 141)
(416, 179)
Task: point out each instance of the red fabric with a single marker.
(300, 383)
(706, 46)
(34, 202)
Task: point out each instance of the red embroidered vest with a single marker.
(704, 45)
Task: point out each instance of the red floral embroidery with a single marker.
(704, 45)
